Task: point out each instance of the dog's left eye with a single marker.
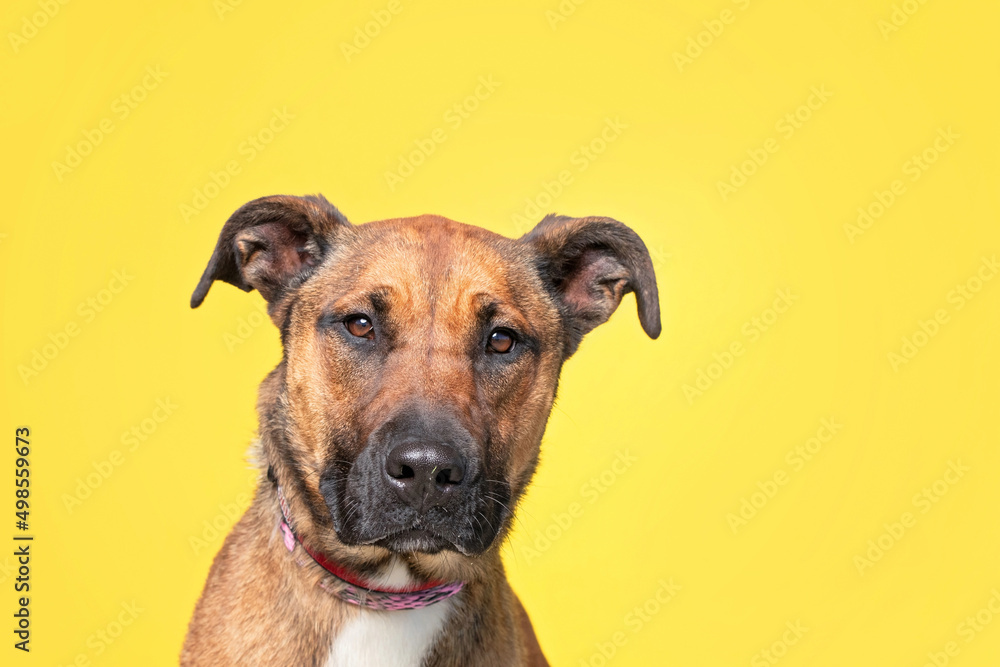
(360, 326)
(501, 341)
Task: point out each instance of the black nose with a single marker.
(424, 474)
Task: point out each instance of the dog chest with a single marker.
(388, 638)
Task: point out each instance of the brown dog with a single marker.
(421, 358)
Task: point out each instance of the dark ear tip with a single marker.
(648, 305)
(652, 329)
(200, 292)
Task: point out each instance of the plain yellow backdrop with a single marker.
(776, 473)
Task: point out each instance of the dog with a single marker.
(403, 424)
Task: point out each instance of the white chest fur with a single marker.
(389, 638)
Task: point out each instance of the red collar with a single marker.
(353, 578)
(355, 590)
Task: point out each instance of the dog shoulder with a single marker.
(251, 610)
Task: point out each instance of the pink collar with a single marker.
(350, 588)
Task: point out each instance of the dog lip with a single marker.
(416, 539)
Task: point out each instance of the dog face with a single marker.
(421, 358)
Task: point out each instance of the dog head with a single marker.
(421, 359)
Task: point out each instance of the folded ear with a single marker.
(590, 264)
(271, 244)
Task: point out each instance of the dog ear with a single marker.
(590, 264)
(271, 244)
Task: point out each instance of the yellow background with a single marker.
(719, 264)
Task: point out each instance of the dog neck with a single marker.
(351, 588)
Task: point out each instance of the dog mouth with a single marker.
(470, 528)
(416, 540)
(427, 535)
(368, 510)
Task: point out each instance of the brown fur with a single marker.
(433, 280)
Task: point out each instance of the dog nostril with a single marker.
(420, 470)
(449, 476)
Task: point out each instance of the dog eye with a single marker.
(501, 341)
(360, 326)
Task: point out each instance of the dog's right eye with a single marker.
(360, 326)
(501, 341)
